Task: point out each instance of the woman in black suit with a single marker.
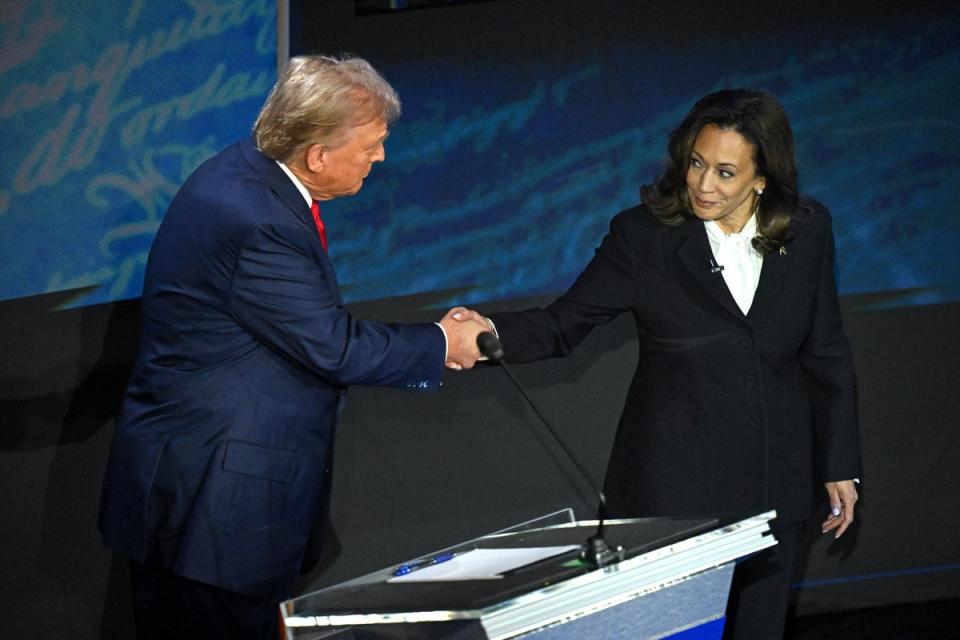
(745, 383)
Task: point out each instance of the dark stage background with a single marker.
(526, 127)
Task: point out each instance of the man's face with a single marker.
(345, 167)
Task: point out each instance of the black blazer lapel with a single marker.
(775, 268)
(694, 253)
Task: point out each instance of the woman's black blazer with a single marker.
(725, 412)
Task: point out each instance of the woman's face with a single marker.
(721, 178)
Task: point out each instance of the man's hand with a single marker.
(462, 327)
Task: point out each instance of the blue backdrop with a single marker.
(503, 177)
(105, 108)
(500, 177)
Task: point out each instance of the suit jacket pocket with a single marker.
(261, 485)
(255, 460)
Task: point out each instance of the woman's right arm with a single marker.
(605, 289)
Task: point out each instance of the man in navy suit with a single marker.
(222, 457)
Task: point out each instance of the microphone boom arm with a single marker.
(596, 552)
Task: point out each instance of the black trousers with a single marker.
(171, 607)
(760, 592)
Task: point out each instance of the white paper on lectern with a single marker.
(482, 564)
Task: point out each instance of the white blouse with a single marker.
(741, 263)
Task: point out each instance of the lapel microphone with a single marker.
(714, 267)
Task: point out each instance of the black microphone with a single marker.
(597, 553)
(490, 346)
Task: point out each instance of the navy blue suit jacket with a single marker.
(726, 411)
(221, 453)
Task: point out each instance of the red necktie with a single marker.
(315, 210)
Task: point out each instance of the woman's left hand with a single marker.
(843, 497)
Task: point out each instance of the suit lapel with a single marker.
(775, 267)
(288, 193)
(694, 253)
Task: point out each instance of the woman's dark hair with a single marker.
(761, 120)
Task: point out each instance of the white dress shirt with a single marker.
(740, 261)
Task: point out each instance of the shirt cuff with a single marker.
(446, 341)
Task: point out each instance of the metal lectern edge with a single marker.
(587, 593)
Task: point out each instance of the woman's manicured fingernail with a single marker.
(835, 511)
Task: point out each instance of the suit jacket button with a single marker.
(755, 421)
(746, 342)
(749, 381)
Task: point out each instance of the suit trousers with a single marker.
(760, 591)
(171, 607)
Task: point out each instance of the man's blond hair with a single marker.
(317, 100)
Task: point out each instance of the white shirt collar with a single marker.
(296, 181)
(719, 236)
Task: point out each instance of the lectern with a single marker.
(672, 583)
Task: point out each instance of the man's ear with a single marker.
(316, 158)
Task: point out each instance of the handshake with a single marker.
(462, 326)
